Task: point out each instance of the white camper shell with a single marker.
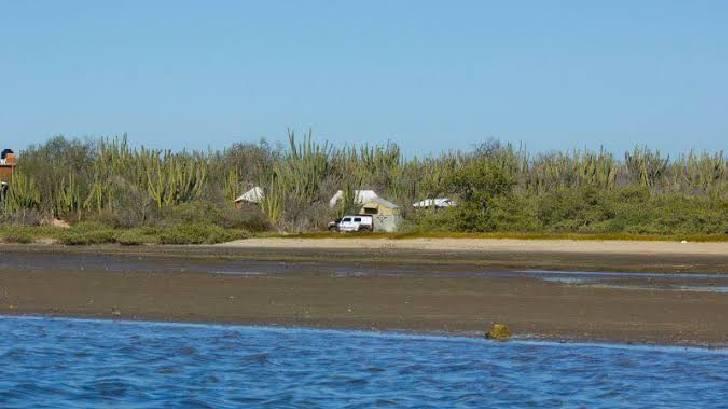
(357, 222)
(436, 203)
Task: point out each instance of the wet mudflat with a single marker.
(393, 256)
(426, 291)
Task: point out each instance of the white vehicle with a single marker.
(436, 203)
(357, 222)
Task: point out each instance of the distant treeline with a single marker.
(498, 187)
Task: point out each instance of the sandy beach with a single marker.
(464, 244)
(448, 286)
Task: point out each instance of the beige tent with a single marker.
(254, 196)
(380, 206)
(387, 215)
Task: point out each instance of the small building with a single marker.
(252, 196)
(360, 197)
(387, 215)
(436, 203)
(7, 165)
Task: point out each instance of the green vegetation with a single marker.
(85, 233)
(113, 193)
(17, 237)
(138, 236)
(28, 234)
(199, 234)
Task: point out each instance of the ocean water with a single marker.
(73, 363)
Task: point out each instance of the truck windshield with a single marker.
(346, 219)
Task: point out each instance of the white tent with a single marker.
(361, 197)
(442, 202)
(254, 195)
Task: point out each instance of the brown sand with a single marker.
(550, 246)
(423, 290)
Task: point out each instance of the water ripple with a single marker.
(52, 362)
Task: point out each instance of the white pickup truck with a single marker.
(357, 222)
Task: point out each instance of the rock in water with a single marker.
(498, 332)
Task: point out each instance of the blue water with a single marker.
(56, 363)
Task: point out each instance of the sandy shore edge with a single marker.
(570, 246)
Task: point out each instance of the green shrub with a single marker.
(500, 188)
(226, 216)
(199, 234)
(17, 236)
(90, 225)
(87, 233)
(514, 213)
(135, 237)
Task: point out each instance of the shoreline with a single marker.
(391, 332)
(426, 291)
(455, 254)
(623, 247)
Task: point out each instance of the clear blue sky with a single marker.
(429, 75)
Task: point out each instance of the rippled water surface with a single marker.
(54, 363)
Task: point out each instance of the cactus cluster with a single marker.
(75, 178)
(24, 194)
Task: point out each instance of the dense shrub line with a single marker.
(89, 233)
(186, 197)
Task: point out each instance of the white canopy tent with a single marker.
(254, 195)
(361, 197)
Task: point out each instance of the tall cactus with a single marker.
(175, 178)
(274, 198)
(231, 189)
(68, 196)
(304, 168)
(647, 166)
(23, 194)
